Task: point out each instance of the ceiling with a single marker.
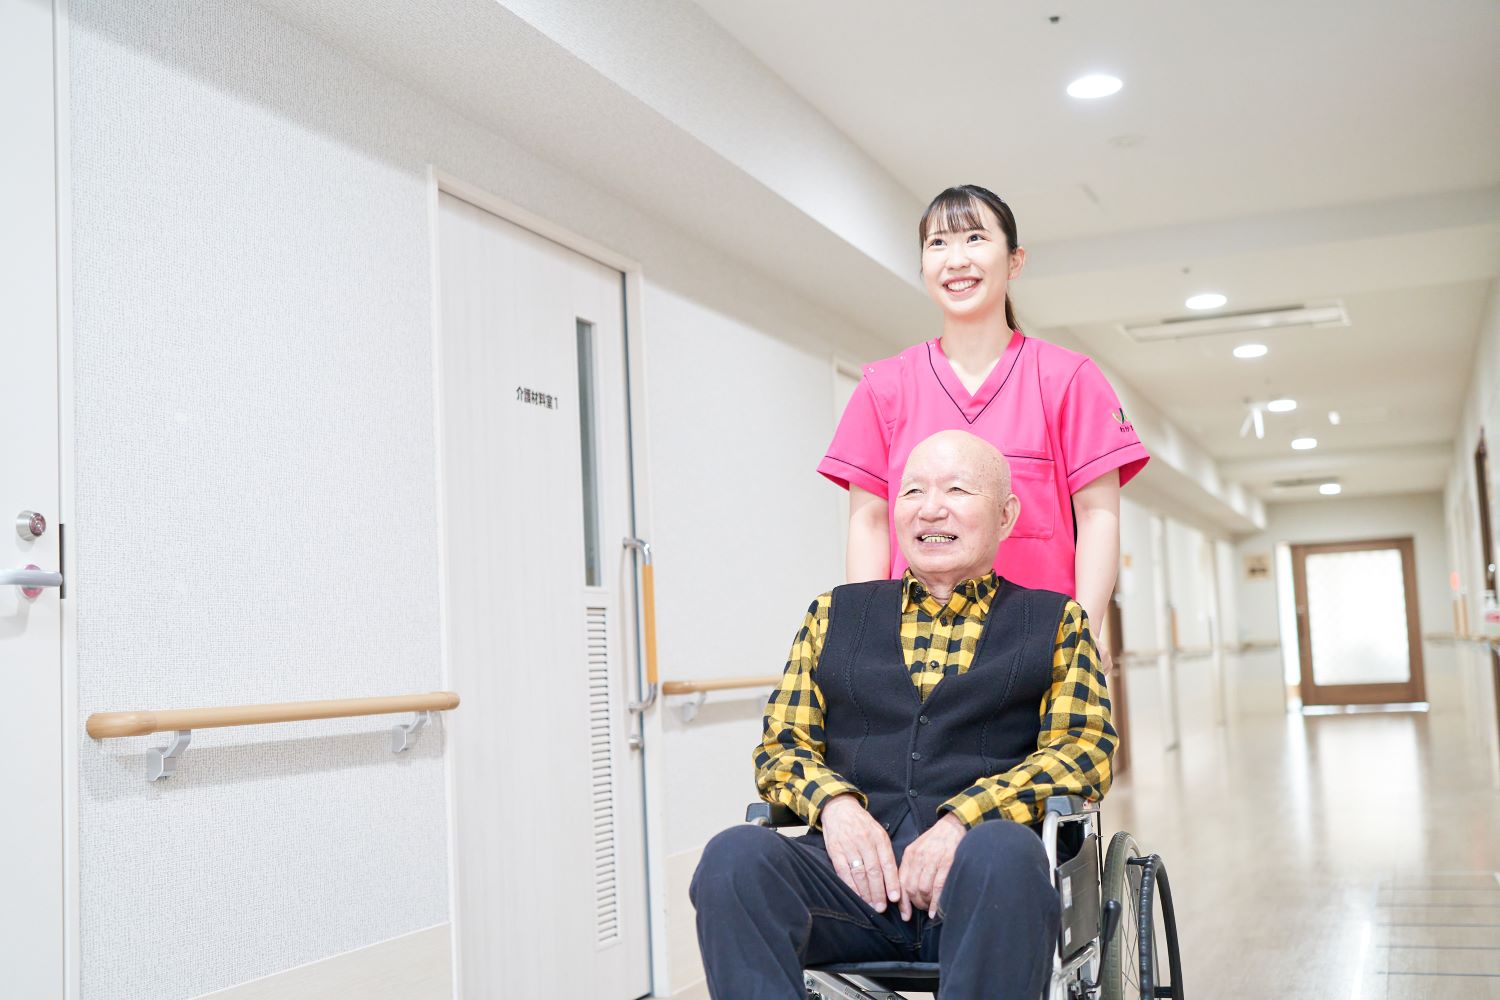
(1279, 153)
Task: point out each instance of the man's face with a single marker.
(952, 511)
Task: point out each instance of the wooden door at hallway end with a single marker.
(1358, 629)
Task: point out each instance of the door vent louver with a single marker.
(602, 779)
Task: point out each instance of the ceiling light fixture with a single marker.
(1282, 405)
(1252, 322)
(1333, 417)
(1250, 351)
(1086, 88)
(1304, 444)
(1330, 489)
(1206, 300)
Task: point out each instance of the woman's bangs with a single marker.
(952, 212)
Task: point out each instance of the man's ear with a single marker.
(1010, 512)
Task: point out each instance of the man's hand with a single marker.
(924, 866)
(861, 852)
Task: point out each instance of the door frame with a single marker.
(1415, 688)
(653, 771)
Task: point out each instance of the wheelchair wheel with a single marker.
(1142, 962)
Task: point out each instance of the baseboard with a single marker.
(416, 966)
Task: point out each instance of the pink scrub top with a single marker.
(1050, 410)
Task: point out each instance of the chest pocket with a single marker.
(1034, 482)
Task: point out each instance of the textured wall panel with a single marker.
(255, 500)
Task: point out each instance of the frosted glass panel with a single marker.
(1356, 606)
(593, 564)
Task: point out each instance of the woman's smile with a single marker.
(961, 288)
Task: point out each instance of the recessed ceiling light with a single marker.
(1250, 351)
(1094, 85)
(1330, 489)
(1304, 444)
(1282, 405)
(1333, 417)
(1207, 300)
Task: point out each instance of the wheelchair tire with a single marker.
(1142, 961)
(1161, 966)
(1120, 978)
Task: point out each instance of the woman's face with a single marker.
(968, 273)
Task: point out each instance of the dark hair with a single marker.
(956, 210)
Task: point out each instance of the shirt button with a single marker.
(915, 755)
(933, 664)
(912, 792)
(922, 720)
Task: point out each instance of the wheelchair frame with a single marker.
(1077, 969)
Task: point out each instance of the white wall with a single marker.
(1481, 410)
(1479, 667)
(255, 485)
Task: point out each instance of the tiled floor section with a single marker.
(1341, 857)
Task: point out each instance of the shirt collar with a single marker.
(972, 597)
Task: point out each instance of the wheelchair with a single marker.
(1117, 938)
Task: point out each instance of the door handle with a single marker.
(31, 580)
(648, 611)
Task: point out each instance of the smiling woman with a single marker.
(1051, 411)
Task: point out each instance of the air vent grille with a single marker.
(1329, 314)
(602, 779)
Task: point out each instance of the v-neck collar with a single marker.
(972, 406)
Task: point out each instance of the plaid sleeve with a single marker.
(1074, 745)
(789, 767)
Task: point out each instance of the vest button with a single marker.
(915, 755)
(912, 792)
(922, 719)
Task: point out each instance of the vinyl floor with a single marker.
(1335, 857)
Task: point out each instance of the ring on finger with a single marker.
(856, 863)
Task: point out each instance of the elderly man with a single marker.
(919, 728)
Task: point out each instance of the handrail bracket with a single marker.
(161, 762)
(688, 710)
(402, 734)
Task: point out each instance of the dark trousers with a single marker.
(769, 905)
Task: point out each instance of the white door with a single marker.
(31, 801)
(549, 867)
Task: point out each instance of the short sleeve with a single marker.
(1096, 433)
(860, 452)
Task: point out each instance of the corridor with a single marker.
(1330, 857)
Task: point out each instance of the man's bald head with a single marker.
(962, 450)
(953, 509)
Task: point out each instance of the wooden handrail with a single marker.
(111, 725)
(769, 681)
(723, 684)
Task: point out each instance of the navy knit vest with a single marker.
(908, 754)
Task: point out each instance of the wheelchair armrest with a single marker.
(1071, 806)
(773, 815)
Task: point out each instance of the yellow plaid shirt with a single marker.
(1074, 736)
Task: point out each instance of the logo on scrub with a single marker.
(1121, 419)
